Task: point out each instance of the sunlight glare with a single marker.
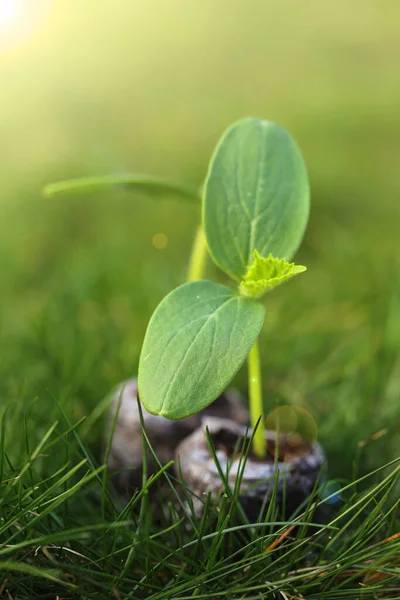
(10, 12)
(19, 19)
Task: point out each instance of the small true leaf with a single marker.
(256, 196)
(266, 273)
(196, 341)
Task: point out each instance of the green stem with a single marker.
(198, 257)
(255, 399)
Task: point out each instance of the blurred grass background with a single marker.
(111, 87)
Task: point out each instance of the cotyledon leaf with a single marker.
(196, 341)
(140, 183)
(256, 196)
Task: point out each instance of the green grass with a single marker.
(63, 534)
(79, 279)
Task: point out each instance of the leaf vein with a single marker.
(192, 343)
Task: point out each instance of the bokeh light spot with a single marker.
(282, 419)
(159, 241)
(298, 428)
(331, 492)
(307, 426)
(295, 421)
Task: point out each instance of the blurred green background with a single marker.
(149, 86)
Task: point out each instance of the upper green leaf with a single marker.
(256, 196)
(196, 341)
(266, 273)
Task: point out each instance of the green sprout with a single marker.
(255, 207)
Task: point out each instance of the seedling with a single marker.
(255, 206)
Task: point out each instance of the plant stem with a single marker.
(255, 399)
(198, 257)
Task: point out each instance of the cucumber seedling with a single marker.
(255, 207)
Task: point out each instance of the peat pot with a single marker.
(125, 459)
(299, 464)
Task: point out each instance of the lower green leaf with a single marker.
(196, 341)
